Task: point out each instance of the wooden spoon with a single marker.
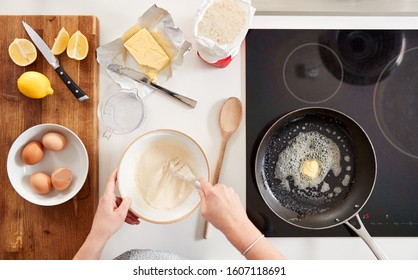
(229, 121)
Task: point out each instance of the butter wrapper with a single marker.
(211, 50)
(160, 25)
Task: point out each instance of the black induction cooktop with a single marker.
(369, 75)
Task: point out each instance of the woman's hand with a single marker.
(111, 211)
(222, 207)
(131, 218)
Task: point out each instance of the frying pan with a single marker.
(348, 171)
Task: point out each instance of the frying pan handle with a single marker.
(364, 234)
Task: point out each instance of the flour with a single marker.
(222, 21)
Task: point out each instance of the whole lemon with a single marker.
(34, 85)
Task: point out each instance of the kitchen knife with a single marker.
(144, 79)
(46, 52)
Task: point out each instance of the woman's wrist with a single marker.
(242, 235)
(92, 247)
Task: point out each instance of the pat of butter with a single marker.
(132, 31)
(310, 169)
(146, 51)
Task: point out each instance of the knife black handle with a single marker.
(186, 100)
(74, 88)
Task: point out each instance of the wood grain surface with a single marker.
(29, 231)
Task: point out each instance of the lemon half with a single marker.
(34, 85)
(22, 52)
(78, 46)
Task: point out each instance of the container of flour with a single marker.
(220, 28)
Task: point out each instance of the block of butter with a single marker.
(146, 51)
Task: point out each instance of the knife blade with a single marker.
(54, 62)
(144, 79)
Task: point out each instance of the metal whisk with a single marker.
(181, 170)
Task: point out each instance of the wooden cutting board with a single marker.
(29, 231)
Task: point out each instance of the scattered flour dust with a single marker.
(158, 186)
(222, 21)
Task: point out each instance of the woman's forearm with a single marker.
(92, 248)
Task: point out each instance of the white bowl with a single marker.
(74, 157)
(138, 153)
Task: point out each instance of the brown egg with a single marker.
(61, 178)
(54, 141)
(40, 182)
(32, 153)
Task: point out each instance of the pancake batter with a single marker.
(159, 187)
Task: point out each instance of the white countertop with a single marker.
(352, 7)
(210, 87)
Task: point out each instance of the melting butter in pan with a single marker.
(307, 160)
(310, 168)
